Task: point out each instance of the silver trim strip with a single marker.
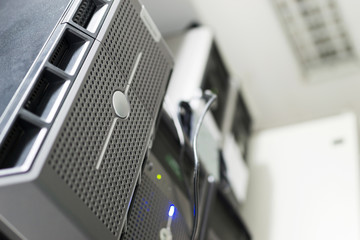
(150, 25)
(12, 228)
(106, 144)
(133, 71)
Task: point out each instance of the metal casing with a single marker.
(85, 162)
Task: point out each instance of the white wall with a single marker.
(256, 48)
(304, 182)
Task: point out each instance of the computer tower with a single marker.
(224, 221)
(150, 210)
(75, 134)
(236, 135)
(237, 120)
(167, 181)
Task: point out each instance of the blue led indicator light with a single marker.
(171, 210)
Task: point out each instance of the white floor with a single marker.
(304, 182)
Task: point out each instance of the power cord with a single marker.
(210, 99)
(180, 133)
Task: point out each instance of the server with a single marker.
(237, 120)
(224, 222)
(168, 176)
(86, 79)
(167, 182)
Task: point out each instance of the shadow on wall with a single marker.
(257, 210)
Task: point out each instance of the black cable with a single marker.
(210, 100)
(180, 133)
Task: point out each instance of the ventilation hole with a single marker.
(90, 13)
(3, 236)
(38, 90)
(84, 13)
(69, 50)
(43, 98)
(59, 52)
(316, 31)
(17, 144)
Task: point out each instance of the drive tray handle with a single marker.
(90, 13)
(69, 51)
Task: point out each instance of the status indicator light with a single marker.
(171, 210)
(165, 233)
(159, 176)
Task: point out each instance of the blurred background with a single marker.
(297, 65)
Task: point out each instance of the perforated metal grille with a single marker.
(149, 213)
(151, 78)
(106, 191)
(127, 37)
